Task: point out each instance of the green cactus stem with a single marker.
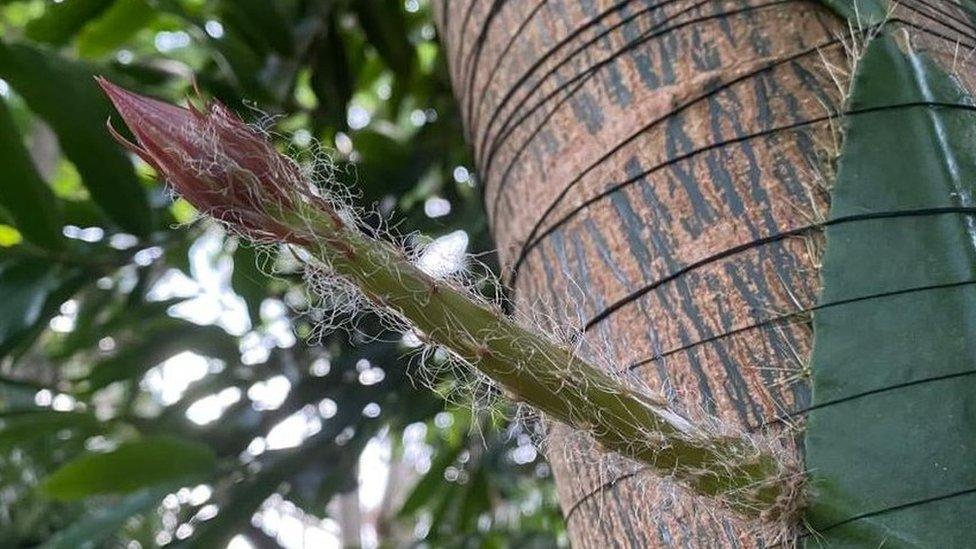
(747, 477)
(231, 172)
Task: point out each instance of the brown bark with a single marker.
(648, 167)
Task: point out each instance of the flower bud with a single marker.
(215, 161)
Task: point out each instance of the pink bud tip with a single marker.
(214, 160)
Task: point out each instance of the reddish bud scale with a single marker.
(215, 161)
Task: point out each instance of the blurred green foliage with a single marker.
(149, 377)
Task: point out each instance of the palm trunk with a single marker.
(625, 148)
(710, 116)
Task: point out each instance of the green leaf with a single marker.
(389, 167)
(247, 496)
(332, 79)
(24, 195)
(159, 343)
(444, 509)
(259, 23)
(386, 30)
(100, 524)
(149, 461)
(30, 292)
(892, 435)
(243, 71)
(861, 13)
(98, 317)
(16, 428)
(431, 483)
(61, 21)
(249, 281)
(64, 94)
(476, 500)
(114, 27)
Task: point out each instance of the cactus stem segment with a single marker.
(231, 172)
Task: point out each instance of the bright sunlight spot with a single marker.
(445, 255)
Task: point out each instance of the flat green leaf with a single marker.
(114, 27)
(389, 167)
(332, 79)
(65, 95)
(243, 71)
(19, 427)
(969, 6)
(100, 524)
(385, 28)
(247, 496)
(62, 20)
(891, 439)
(861, 13)
(27, 199)
(98, 317)
(477, 500)
(159, 343)
(444, 509)
(147, 462)
(431, 483)
(260, 23)
(249, 281)
(30, 292)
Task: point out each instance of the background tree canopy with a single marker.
(156, 386)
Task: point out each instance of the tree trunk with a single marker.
(644, 163)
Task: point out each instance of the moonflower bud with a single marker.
(225, 168)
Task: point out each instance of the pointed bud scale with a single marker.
(215, 161)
